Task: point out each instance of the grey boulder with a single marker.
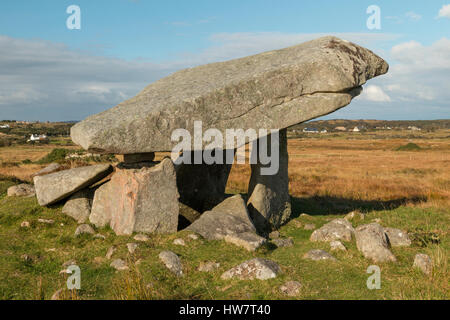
(318, 255)
(172, 262)
(271, 90)
(79, 205)
(424, 263)
(229, 221)
(397, 237)
(21, 190)
(257, 268)
(338, 229)
(57, 186)
(372, 242)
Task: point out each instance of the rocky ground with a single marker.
(38, 244)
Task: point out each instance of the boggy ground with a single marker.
(331, 175)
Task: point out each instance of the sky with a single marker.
(51, 72)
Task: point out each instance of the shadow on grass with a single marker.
(319, 205)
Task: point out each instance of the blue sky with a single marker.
(50, 72)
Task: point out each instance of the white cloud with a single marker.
(444, 12)
(413, 16)
(45, 80)
(374, 93)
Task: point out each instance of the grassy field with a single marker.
(330, 176)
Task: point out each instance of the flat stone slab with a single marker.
(318, 255)
(257, 268)
(271, 90)
(57, 186)
(52, 167)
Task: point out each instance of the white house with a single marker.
(4, 126)
(35, 137)
(356, 129)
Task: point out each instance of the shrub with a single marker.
(56, 155)
(409, 147)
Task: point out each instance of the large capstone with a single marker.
(271, 90)
(138, 200)
(269, 202)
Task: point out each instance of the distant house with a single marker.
(356, 129)
(4, 126)
(340, 129)
(310, 130)
(37, 138)
(324, 131)
(414, 128)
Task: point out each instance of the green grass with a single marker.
(409, 147)
(149, 279)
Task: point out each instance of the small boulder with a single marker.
(21, 190)
(79, 205)
(179, 242)
(354, 215)
(46, 221)
(208, 266)
(25, 224)
(338, 229)
(291, 288)
(84, 229)
(337, 246)
(132, 247)
(283, 242)
(317, 255)
(141, 237)
(119, 265)
(256, 268)
(110, 252)
(372, 242)
(193, 236)
(172, 262)
(397, 237)
(424, 263)
(230, 219)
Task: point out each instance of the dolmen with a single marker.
(204, 116)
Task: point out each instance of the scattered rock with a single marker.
(193, 236)
(25, 224)
(397, 237)
(141, 237)
(283, 242)
(338, 229)
(57, 186)
(208, 266)
(337, 246)
(99, 260)
(256, 268)
(21, 190)
(274, 235)
(119, 265)
(291, 288)
(229, 218)
(309, 226)
(372, 241)
(248, 240)
(424, 263)
(172, 262)
(79, 205)
(317, 255)
(84, 229)
(354, 215)
(297, 223)
(46, 221)
(145, 200)
(179, 242)
(269, 203)
(132, 247)
(110, 252)
(52, 167)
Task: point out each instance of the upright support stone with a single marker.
(269, 202)
(202, 186)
